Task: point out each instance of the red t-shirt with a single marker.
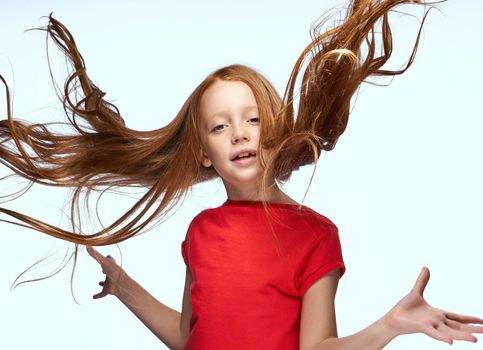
(249, 280)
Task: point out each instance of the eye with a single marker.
(218, 128)
(254, 120)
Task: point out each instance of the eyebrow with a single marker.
(224, 113)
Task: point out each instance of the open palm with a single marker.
(412, 314)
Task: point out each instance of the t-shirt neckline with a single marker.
(259, 203)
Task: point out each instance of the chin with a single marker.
(252, 179)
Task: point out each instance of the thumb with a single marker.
(422, 281)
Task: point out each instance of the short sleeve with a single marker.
(322, 256)
(184, 252)
(185, 245)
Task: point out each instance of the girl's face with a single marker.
(230, 130)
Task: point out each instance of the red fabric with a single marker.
(248, 281)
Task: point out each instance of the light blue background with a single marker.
(403, 184)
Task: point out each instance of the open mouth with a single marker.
(244, 155)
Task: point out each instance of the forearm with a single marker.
(163, 321)
(374, 337)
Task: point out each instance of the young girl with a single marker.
(262, 270)
(243, 288)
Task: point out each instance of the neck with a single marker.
(253, 193)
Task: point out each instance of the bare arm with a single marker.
(169, 325)
(412, 314)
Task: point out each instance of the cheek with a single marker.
(256, 134)
(209, 149)
(204, 144)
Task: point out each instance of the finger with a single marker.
(102, 294)
(95, 254)
(457, 334)
(434, 333)
(463, 318)
(422, 281)
(464, 327)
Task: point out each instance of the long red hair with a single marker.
(102, 152)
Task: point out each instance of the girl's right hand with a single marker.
(113, 272)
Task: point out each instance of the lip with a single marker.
(233, 156)
(245, 161)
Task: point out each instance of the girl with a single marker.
(236, 127)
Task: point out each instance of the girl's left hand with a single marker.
(413, 314)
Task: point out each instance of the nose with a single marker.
(239, 134)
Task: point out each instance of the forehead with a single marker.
(226, 96)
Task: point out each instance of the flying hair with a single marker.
(102, 152)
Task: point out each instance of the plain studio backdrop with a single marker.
(403, 183)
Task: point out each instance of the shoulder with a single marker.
(203, 218)
(206, 214)
(316, 221)
(319, 229)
